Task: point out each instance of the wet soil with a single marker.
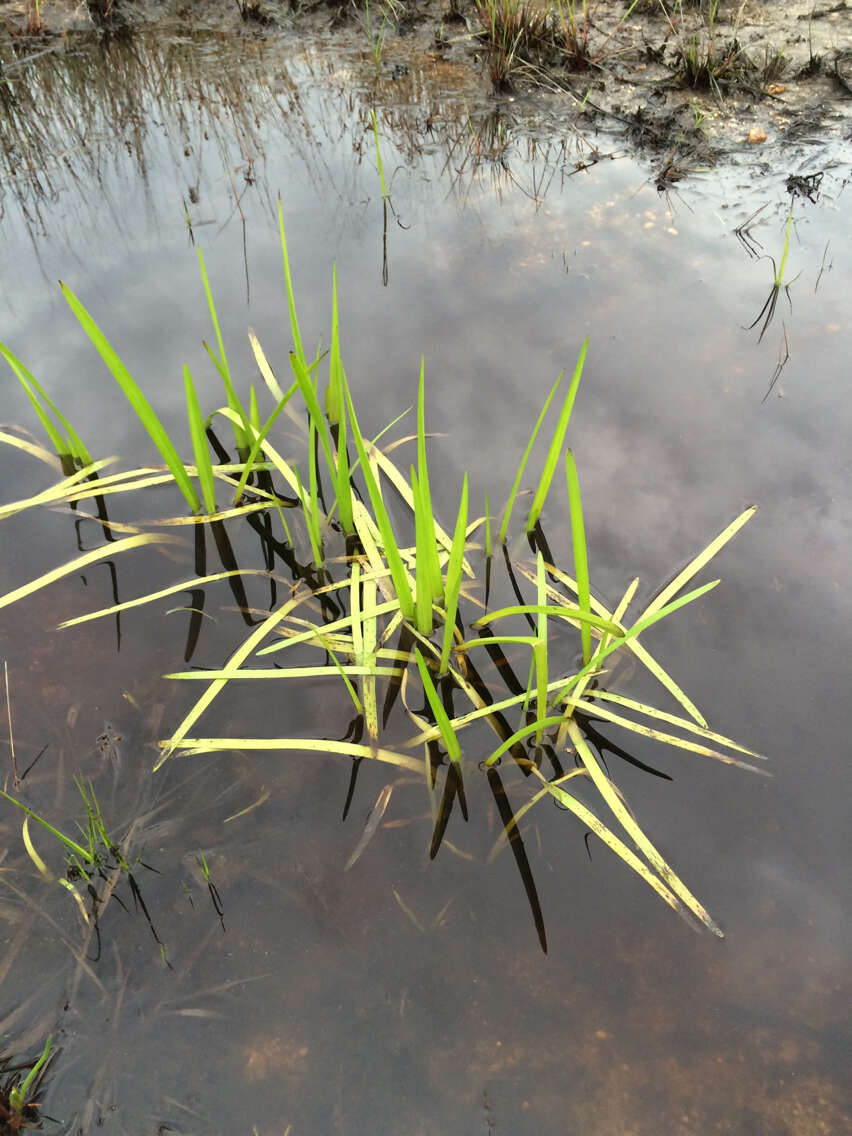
(758, 79)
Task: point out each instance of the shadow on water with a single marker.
(302, 993)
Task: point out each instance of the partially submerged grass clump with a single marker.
(393, 604)
(96, 858)
(20, 1097)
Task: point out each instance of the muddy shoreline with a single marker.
(760, 82)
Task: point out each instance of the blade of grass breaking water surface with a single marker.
(136, 398)
(510, 504)
(578, 539)
(555, 450)
(454, 576)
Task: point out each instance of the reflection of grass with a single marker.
(397, 616)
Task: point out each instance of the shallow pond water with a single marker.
(407, 996)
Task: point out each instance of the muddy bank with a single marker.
(690, 84)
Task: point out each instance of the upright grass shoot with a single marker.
(430, 563)
(133, 393)
(62, 435)
(581, 560)
(453, 580)
(203, 464)
(220, 361)
(555, 451)
(380, 513)
(516, 484)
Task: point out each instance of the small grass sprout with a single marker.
(19, 1100)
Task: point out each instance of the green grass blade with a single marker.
(581, 560)
(443, 722)
(291, 299)
(311, 521)
(256, 446)
(343, 484)
(221, 362)
(70, 446)
(316, 418)
(72, 845)
(539, 651)
(431, 564)
(334, 407)
(369, 636)
(454, 576)
(391, 549)
(564, 611)
(136, 398)
(254, 409)
(510, 504)
(199, 444)
(423, 588)
(556, 444)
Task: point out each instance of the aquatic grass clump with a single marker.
(404, 630)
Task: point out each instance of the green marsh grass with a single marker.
(387, 617)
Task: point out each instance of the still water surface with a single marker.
(403, 996)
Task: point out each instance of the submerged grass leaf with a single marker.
(371, 827)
